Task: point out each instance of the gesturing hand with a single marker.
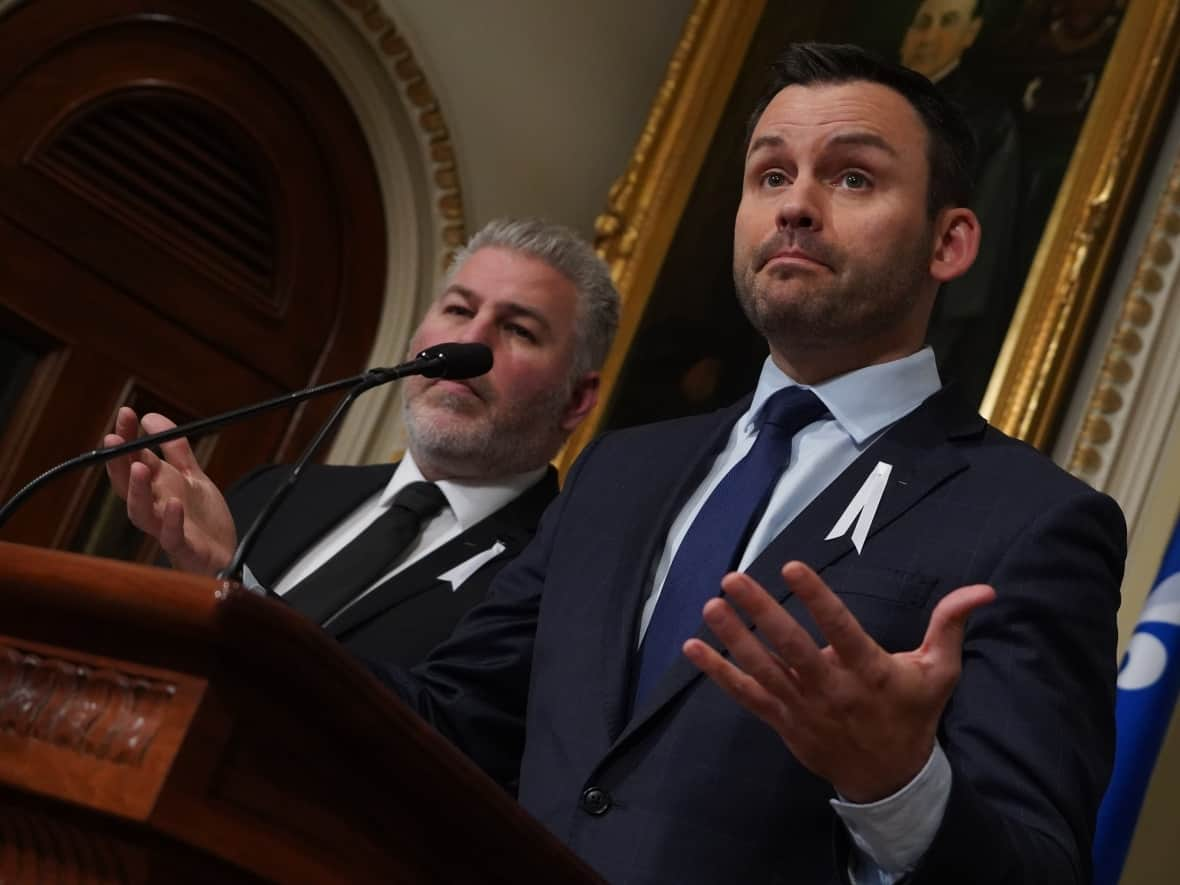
(171, 499)
(853, 714)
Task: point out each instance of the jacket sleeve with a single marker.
(473, 688)
(1029, 730)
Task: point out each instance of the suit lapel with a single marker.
(669, 477)
(917, 471)
(916, 446)
(513, 525)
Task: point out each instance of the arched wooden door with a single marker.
(189, 221)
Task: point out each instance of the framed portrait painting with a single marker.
(1065, 98)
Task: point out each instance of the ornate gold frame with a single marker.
(1144, 306)
(1036, 365)
(645, 204)
(1033, 374)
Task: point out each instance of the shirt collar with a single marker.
(470, 500)
(865, 401)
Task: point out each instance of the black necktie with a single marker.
(369, 555)
(714, 542)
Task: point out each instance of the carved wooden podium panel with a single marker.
(161, 727)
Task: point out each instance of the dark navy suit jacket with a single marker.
(534, 683)
(413, 611)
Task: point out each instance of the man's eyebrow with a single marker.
(764, 141)
(512, 308)
(460, 290)
(865, 139)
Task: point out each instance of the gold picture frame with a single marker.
(1046, 337)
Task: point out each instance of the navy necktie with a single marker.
(714, 542)
(367, 556)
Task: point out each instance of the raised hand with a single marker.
(859, 717)
(171, 499)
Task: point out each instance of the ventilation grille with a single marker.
(176, 174)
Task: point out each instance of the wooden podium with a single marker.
(161, 727)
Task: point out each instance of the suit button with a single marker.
(596, 801)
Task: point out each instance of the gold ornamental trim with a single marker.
(397, 56)
(645, 204)
(1138, 318)
(1032, 377)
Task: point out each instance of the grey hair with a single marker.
(570, 255)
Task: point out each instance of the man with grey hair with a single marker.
(388, 557)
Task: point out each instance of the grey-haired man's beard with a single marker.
(494, 441)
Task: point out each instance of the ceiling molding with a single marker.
(375, 68)
(422, 105)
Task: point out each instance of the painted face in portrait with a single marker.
(941, 31)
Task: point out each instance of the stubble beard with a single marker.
(483, 439)
(818, 309)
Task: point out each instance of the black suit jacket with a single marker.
(411, 612)
(692, 789)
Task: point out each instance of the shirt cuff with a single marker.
(893, 833)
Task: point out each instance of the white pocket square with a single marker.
(469, 567)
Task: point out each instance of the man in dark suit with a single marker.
(930, 698)
(388, 557)
(416, 608)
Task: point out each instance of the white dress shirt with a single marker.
(468, 502)
(891, 835)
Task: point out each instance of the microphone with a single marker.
(454, 360)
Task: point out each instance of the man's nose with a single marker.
(800, 206)
(481, 329)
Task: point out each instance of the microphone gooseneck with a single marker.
(456, 360)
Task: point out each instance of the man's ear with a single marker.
(583, 398)
(956, 245)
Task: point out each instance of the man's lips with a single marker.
(453, 387)
(795, 250)
(793, 256)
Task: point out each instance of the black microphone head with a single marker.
(457, 360)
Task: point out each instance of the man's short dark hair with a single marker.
(951, 145)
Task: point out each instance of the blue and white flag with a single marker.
(1147, 687)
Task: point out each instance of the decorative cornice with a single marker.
(1139, 324)
(110, 716)
(396, 56)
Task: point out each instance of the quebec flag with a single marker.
(1147, 687)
